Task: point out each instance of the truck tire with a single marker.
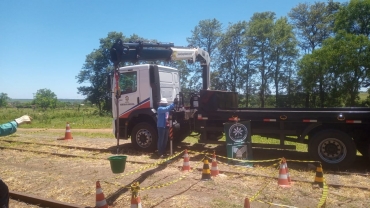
(144, 137)
(368, 152)
(334, 148)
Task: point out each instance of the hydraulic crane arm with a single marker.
(140, 51)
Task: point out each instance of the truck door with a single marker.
(169, 83)
(130, 92)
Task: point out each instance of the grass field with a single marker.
(72, 179)
(84, 118)
(363, 95)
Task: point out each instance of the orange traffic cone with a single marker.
(100, 199)
(135, 198)
(214, 168)
(247, 203)
(186, 164)
(136, 202)
(283, 176)
(287, 172)
(68, 134)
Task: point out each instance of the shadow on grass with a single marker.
(361, 165)
(114, 196)
(178, 194)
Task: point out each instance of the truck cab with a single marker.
(141, 88)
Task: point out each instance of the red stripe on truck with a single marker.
(309, 121)
(269, 120)
(145, 104)
(353, 121)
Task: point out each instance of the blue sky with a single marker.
(43, 43)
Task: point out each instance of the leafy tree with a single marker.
(313, 69)
(314, 23)
(341, 66)
(232, 58)
(350, 53)
(366, 102)
(258, 39)
(205, 35)
(4, 99)
(354, 18)
(284, 51)
(45, 98)
(343, 63)
(96, 69)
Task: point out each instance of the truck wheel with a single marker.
(144, 137)
(334, 148)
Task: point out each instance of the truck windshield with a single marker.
(128, 82)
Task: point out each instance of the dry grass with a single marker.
(73, 179)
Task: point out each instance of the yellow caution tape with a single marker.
(266, 182)
(36, 131)
(94, 125)
(254, 161)
(259, 192)
(149, 166)
(251, 161)
(253, 198)
(165, 184)
(27, 132)
(324, 195)
(307, 161)
(171, 182)
(157, 186)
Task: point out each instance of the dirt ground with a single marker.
(163, 184)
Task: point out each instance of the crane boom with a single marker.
(141, 51)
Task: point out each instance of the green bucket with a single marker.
(117, 163)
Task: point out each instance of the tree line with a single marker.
(316, 56)
(43, 99)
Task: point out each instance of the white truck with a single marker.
(142, 86)
(333, 135)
